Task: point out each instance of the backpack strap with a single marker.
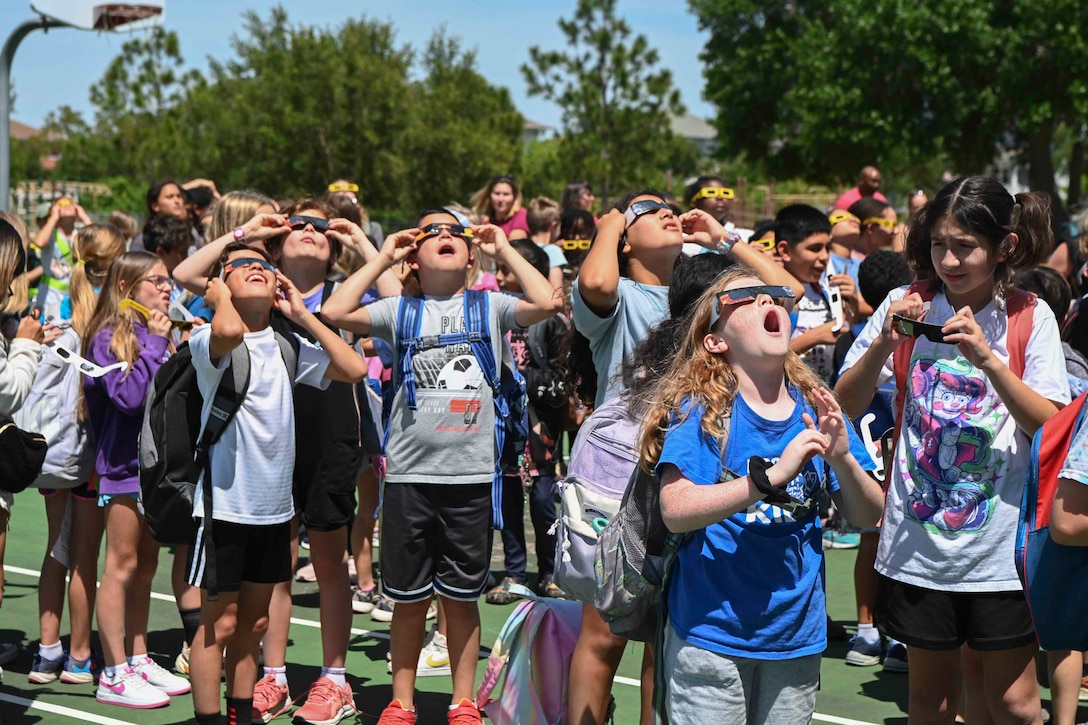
(289, 353)
(1021, 309)
(477, 323)
(409, 321)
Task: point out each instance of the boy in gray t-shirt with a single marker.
(440, 457)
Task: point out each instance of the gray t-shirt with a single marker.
(613, 337)
(450, 437)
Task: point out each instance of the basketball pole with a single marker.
(6, 56)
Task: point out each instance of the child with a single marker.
(115, 408)
(251, 468)
(437, 497)
(877, 226)
(803, 234)
(745, 648)
(54, 241)
(945, 557)
(543, 221)
(537, 356)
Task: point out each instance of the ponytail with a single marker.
(94, 249)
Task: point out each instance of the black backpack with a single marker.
(174, 452)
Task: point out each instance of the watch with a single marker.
(239, 234)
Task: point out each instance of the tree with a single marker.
(615, 101)
(829, 85)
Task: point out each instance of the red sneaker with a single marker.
(465, 714)
(395, 714)
(326, 704)
(269, 699)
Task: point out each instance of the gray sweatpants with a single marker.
(706, 687)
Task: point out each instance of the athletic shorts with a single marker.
(105, 498)
(84, 492)
(938, 620)
(243, 553)
(435, 538)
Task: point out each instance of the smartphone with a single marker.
(834, 300)
(916, 328)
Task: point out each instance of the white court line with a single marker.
(60, 710)
(356, 631)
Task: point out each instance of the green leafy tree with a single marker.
(615, 100)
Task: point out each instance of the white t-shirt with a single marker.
(253, 461)
(961, 462)
(814, 310)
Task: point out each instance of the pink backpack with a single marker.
(534, 649)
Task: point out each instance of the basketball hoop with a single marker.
(114, 15)
(120, 17)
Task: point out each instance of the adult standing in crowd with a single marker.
(500, 204)
(164, 198)
(868, 185)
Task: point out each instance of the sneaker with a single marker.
(80, 672)
(306, 574)
(864, 654)
(270, 700)
(434, 659)
(896, 659)
(838, 540)
(548, 588)
(304, 542)
(364, 601)
(181, 663)
(326, 704)
(395, 714)
(159, 677)
(43, 671)
(383, 611)
(8, 652)
(129, 689)
(501, 594)
(464, 714)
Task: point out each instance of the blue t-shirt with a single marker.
(751, 585)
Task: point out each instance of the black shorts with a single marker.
(937, 620)
(435, 537)
(327, 456)
(243, 552)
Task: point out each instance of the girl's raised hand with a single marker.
(159, 324)
(910, 306)
(397, 246)
(701, 228)
(265, 226)
(964, 331)
(806, 444)
(348, 233)
(832, 424)
(489, 239)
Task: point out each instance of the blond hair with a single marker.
(95, 248)
(20, 290)
(698, 377)
(125, 223)
(234, 210)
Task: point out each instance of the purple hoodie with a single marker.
(115, 408)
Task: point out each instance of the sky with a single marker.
(56, 68)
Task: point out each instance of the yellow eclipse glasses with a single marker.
(345, 186)
(765, 245)
(713, 192)
(575, 245)
(880, 222)
(843, 216)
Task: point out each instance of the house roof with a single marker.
(692, 127)
(21, 132)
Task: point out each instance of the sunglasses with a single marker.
(634, 211)
(575, 245)
(128, 304)
(433, 230)
(880, 222)
(84, 365)
(842, 216)
(782, 296)
(298, 223)
(241, 262)
(765, 245)
(713, 192)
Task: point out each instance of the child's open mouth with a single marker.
(256, 277)
(771, 322)
(447, 249)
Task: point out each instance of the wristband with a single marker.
(757, 471)
(729, 239)
(240, 234)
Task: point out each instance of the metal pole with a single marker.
(6, 56)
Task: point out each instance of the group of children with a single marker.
(750, 334)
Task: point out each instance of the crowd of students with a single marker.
(789, 332)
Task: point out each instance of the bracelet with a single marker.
(728, 241)
(757, 471)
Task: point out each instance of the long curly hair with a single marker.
(703, 378)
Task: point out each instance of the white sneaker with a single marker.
(434, 659)
(129, 689)
(159, 677)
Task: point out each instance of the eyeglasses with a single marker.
(764, 244)
(713, 192)
(842, 216)
(634, 211)
(298, 223)
(246, 262)
(880, 222)
(160, 281)
(84, 365)
(130, 304)
(782, 296)
(572, 245)
(433, 230)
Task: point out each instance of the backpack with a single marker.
(603, 459)
(634, 554)
(1053, 575)
(534, 650)
(174, 451)
(506, 383)
(52, 407)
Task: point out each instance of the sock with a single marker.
(190, 622)
(279, 672)
(137, 659)
(461, 704)
(111, 671)
(869, 633)
(51, 652)
(336, 674)
(239, 711)
(210, 719)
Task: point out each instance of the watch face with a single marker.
(239, 234)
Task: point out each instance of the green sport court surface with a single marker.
(848, 695)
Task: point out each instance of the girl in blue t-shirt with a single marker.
(746, 598)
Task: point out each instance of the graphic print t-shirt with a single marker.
(961, 461)
(813, 310)
(450, 437)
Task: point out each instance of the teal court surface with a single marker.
(848, 695)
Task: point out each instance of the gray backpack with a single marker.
(602, 461)
(52, 407)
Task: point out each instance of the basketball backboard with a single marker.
(94, 15)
